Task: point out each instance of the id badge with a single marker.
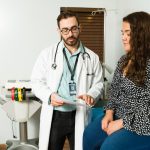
(72, 88)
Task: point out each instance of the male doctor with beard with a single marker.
(70, 71)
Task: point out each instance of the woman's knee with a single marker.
(86, 139)
(90, 134)
(92, 129)
(87, 135)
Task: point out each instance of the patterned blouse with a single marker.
(130, 102)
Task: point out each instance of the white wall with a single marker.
(25, 29)
(28, 26)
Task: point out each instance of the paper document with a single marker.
(74, 102)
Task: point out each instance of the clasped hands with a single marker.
(109, 125)
(57, 102)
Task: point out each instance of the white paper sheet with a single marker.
(74, 102)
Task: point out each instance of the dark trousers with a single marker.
(95, 138)
(62, 127)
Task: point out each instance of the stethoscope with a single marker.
(84, 56)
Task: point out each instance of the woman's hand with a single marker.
(107, 119)
(114, 126)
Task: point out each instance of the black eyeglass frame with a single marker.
(73, 29)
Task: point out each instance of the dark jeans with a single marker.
(62, 127)
(95, 138)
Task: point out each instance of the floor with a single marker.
(3, 147)
(66, 146)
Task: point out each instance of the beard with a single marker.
(71, 41)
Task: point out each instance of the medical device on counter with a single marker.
(20, 104)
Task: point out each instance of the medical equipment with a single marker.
(84, 55)
(20, 111)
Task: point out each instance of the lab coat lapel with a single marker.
(81, 75)
(79, 67)
(59, 70)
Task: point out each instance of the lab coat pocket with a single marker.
(90, 74)
(90, 77)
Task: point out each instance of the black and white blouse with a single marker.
(131, 102)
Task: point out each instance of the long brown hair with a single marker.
(140, 47)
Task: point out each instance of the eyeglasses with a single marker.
(74, 29)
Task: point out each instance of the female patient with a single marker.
(126, 123)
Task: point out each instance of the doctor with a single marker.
(71, 71)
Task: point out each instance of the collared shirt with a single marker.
(63, 89)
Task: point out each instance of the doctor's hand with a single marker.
(55, 101)
(87, 98)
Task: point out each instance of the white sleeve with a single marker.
(97, 83)
(38, 78)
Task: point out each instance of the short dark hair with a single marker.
(65, 15)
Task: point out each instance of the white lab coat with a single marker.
(45, 81)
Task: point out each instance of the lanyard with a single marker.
(72, 72)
